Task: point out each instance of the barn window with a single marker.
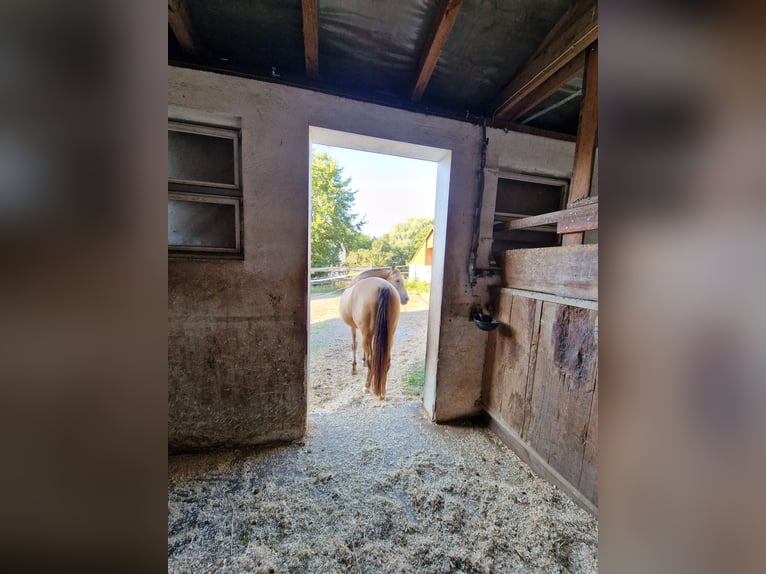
(520, 196)
(204, 190)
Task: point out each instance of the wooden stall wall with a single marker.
(541, 381)
(541, 387)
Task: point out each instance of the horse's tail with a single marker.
(381, 343)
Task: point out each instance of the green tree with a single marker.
(334, 225)
(377, 255)
(405, 238)
(395, 247)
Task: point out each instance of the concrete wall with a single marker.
(238, 330)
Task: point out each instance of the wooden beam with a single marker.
(584, 201)
(587, 134)
(311, 36)
(532, 221)
(563, 271)
(521, 128)
(578, 220)
(582, 216)
(574, 32)
(178, 18)
(437, 36)
(585, 148)
(501, 219)
(536, 295)
(547, 88)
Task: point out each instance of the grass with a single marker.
(322, 289)
(416, 286)
(415, 381)
(326, 289)
(413, 286)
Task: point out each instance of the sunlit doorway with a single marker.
(374, 205)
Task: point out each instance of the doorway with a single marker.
(394, 196)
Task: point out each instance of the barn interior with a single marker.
(503, 95)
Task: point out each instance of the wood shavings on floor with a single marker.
(373, 490)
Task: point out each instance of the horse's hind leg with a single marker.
(367, 353)
(353, 350)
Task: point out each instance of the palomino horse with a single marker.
(371, 304)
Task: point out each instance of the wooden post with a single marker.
(587, 140)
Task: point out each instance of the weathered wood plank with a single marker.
(572, 216)
(536, 462)
(564, 383)
(584, 303)
(531, 221)
(574, 32)
(533, 354)
(584, 201)
(498, 343)
(577, 219)
(563, 271)
(525, 129)
(588, 483)
(437, 37)
(587, 134)
(514, 351)
(310, 12)
(587, 130)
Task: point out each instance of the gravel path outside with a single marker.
(332, 387)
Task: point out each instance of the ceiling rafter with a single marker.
(437, 37)
(178, 18)
(547, 88)
(310, 11)
(531, 130)
(567, 41)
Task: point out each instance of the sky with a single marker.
(390, 189)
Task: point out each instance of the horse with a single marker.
(371, 304)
